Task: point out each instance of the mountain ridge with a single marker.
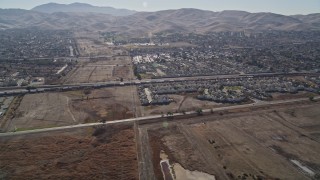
(81, 7)
(181, 20)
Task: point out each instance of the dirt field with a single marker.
(74, 107)
(279, 142)
(283, 96)
(109, 104)
(92, 47)
(46, 109)
(282, 143)
(90, 44)
(101, 70)
(106, 153)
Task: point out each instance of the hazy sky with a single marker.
(288, 7)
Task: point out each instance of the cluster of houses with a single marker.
(35, 43)
(183, 62)
(26, 54)
(27, 72)
(194, 61)
(230, 53)
(223, 91)
(313, 79)
(240, 39)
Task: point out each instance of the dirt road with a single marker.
(145, 157)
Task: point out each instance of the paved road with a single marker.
(136, 81)
(41, 88)
(145, 161)
(147, 118)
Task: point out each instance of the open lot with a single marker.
(272, 142)
(87, 153)
(74, 107)
(101, 70)
(42, 110)
(90, 44)
(268, 144)
(283, 96)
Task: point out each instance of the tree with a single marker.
(139, 76)
(311, 98)
(103, 121)
(87, 91)
(201, 91)
(136, 73)
(169, 115)
(24, 83)
(30, 88)
(199, 112)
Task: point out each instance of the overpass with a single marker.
(5, 91)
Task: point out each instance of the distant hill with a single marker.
(194, 20)
(310, 18)
(81, 7)
(18, 18)
(141, 23)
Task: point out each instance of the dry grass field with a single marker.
(272, 144)
(284, 96)
(90, 44)
(279, 142)
(74, 107)
(87, 153)
(102, 70)
(42, 110)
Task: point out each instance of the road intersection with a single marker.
(154, 117)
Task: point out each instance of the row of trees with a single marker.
(170, 114)
(136, 73)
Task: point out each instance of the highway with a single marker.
(42, 88)
(150, 118)
(118, 83)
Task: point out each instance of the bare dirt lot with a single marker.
(90, 44)
(74, 107)
(41, 110)
(268, 144)
(110, 104)
(87, 153)
(283, 96)
(93, 44)
(101, 70)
